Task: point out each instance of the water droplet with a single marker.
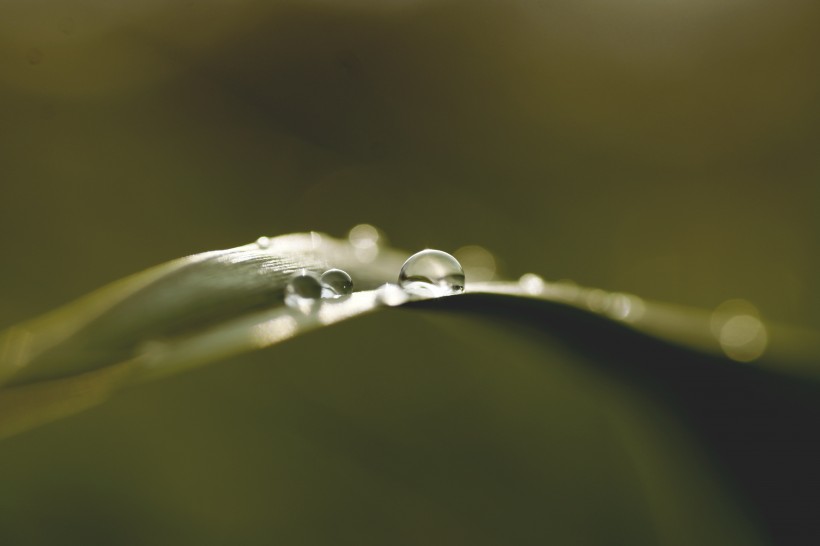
(364, 235)
(729, 309)
(532, 284)
(743, 338)
(336, 282)
(432, 273)
(620, 306)
(365, 240)
(263, 242)
(392, 295)
(738, 328)
(302, 290)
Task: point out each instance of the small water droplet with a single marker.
(432, 273)
(302, 290)
(743, 338)
(336, 282)
(365, 240)
(620, 306)
(738, 328)
(392, 295)
(364, 236)
(263, 242)
(532, 284)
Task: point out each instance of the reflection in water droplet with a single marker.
(302, 290)
(737, 326)
(477, 261)
(392, 295)
(532, 284)
(263, 242)
(335, 283)
(365, 240)
(432, 273)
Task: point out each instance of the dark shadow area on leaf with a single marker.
(760, 426)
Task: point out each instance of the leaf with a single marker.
(196, 309)
(517, 412)
(210, 306)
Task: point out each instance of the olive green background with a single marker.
(668, 149)
(663, 148)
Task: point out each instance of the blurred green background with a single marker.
(665, 148)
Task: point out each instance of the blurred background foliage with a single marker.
(663, 148)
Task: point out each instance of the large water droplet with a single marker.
(336, 282)
(302, 290)
(432, 273)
